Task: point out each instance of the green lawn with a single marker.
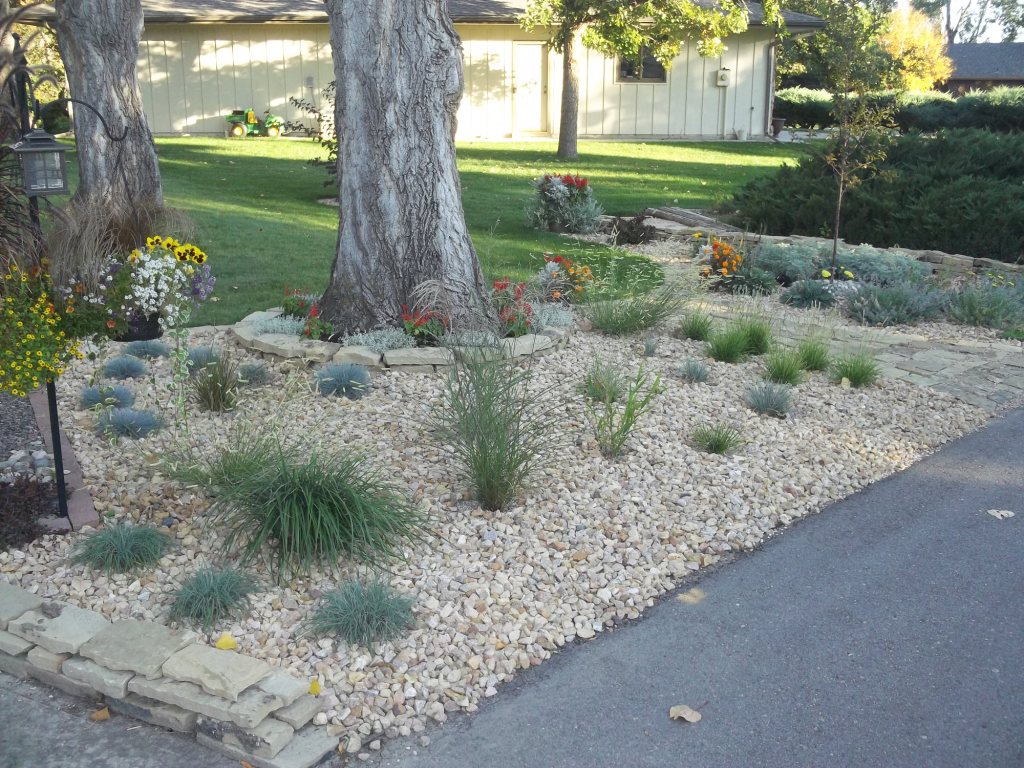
(254, 203)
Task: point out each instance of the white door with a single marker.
(529, 88)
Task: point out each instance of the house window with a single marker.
(647, 70)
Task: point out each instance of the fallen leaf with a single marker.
(226, 642)
(691, 597)
(683, 712)
(1000, 514)
(100, 715)
(245, 764)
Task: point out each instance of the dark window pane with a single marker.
(647, 69)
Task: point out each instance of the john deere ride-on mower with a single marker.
(244, 122)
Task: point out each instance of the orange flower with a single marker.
(556, 295)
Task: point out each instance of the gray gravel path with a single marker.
(884, 632)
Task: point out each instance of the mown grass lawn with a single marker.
(254, 204)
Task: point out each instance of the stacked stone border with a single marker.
(406, 360)
(233, 703)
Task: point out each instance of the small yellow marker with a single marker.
(314, 686)
(226, 642)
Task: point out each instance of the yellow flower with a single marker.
(314, 687)
(826, 274)
(848, 274)
(226, 642)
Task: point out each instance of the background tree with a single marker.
(401, 218)
(625, 28)
(99, 42)
(966, 21)
(918, 48)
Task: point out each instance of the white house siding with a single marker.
(192, 75)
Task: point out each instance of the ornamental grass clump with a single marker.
(784, 366)
(147, 349)
(987, 304)
(253, 374)
(121, 547)
(127, 422)
(716, 438)
(604, 381)
(696, 326)
(111, 396)
(349, 380)
(769, 399)
(693, 371)
(859, 368)
(758, 333)
(814, 355)
(637, 312)
(200, 357)
(216, 386)
(362, 614)
(896, 304)
(211, 595)
(297, 509)
(124, 367)
(614, 424)
(728, 345)
(807, 294)
(499, 427)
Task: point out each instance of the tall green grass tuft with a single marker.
(758, 333)
(814, 355)
(499, 427)
(120, 548)
(696, 326)
(217, 385)
(859, 368)
(716, 438)
(362, 614)
(728, 345)
(212, 595)
(638, 312)
(612, 424)
(784, 367)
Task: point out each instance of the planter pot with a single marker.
(778, 123)
(142, 329)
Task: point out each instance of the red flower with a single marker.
(314, 311)
(502, 284)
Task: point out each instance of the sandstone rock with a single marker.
(141, 647)
(219, 673)
(58, 627)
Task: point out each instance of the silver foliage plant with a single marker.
(381, 340)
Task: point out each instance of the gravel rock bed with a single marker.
(592, 543)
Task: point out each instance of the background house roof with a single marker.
(250, 11)
(987, 61)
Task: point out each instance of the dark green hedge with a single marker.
(1000, 109)
(959, 192)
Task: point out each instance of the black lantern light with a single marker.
(43, 167)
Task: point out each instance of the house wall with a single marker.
(192, 75)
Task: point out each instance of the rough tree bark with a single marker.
(398, 67)
(99, 42)
(568, 129)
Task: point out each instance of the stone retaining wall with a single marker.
(233, 703)
(408, 360)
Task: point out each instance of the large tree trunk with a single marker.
(99, 42)
(398, 67)
(568, 131)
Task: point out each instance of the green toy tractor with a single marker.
(244, 122)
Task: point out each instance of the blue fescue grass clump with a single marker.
(124, 367)
(769, 399)
(121, 548)
(116, 396)
(343, 380)
(693, 371)
(200, 357)
(127, 422)
(149, 349)
(362, 614)
(254, 374)
(212, 595)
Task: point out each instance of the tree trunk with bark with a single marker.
(99, 42)
(398, 69)
(568, 129)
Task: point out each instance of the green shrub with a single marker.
(859, 368)
(987, 305)
(149, 349)
(633, 313)
(298, 508)
(693, 371)
(728, 345)
(124, 367)
(212, 595)
(872, 265)
(900, 304)
(814, 355)
(805, 294)
(613, 425)
(499, 426)
(769, 399)
(749, 280)
(784, 367)
(758, 334)
(349, 380)
(362, 614)
(604, 382)
(957, 192)
(804, 108)
(215, 387)
(717, 438)
(200, 357)
(789, 263)
(127, 422)
(696, 325)
(120, 548)
(115, 396)
(253, 374)
(1013, 334)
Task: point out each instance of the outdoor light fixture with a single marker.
(43, 167)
